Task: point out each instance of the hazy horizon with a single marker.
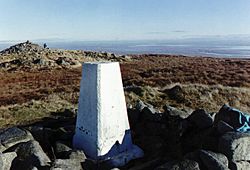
(118, 20)
(229, 46)
(195, 27)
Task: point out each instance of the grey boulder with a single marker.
(77, 155)
(172, 111)
(215, 161)
(201, 119)
(12, 136)
(30, 154)
(66, 164)
(141, 105)
(184, 164)
(240, 165)
(6, 160)
(235, 145)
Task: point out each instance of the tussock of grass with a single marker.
(188, 97)
(34, 110)
(194, 96)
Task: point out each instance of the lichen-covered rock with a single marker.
(172, 111)
(66, 164)
(77, 155)
(235, 145)
(6, 160)
(12, 136)
(61, 148)
(240, 165)
(141, 105)
(30, 154)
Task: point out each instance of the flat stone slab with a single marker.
(13, 136)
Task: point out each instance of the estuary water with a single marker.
(235, 49)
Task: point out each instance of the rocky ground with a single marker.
(176, 125)
(30, 56)
(171, 140)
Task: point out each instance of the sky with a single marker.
(122, 19)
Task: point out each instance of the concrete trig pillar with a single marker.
(102, 127)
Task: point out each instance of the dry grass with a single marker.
(163, 70)
(33, 110)
(28, 95)
(211, 98)
(21, 87)
(194, 96)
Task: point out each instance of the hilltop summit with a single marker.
(28, 55)
(22, 48)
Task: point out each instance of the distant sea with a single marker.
(222, 48)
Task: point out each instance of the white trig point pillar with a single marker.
(102, 127)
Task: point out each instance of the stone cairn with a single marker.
(170, 140)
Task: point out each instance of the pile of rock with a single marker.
(172, 139)
(28, 55)
(35, 149)
(22, 47)
(199, 141)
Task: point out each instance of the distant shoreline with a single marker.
(195, 49)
